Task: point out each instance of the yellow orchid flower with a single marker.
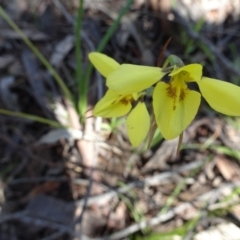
(116, 104)
(175, 105)
(129, 78)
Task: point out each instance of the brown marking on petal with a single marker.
(114, 101)
(182, 94)
(187, 77)
(171, 91)
(185, 73)
(124, 101)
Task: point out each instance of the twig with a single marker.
(201, 214)
(207, 198)
(79, 219)
(149, 181)
(154, 221)
(63, 10)
(218, 191)
(54, 236)
(28, 180)
(224, 204)
(215, 51)
(24, 218)
(26, 151)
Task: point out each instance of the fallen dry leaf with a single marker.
(227, 168)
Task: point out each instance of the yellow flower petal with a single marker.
(174, 116)
(222, 96)
(104, 64)
(138, 124)
(136, 96)
(129, 78)
(109, 106)
(194, 71)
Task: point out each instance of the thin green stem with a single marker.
(82, 84)
(173, 196)
(31, 117)
(114, 26)
(44, 61)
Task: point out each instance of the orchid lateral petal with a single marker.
(222, 96)
(104, 64)
(194, 70)
(129, 78)
(138, 124)
(172, 115)
(109, 107)
(136, 96)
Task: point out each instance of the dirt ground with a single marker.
(87, 182)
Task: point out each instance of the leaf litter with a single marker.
(62, 184)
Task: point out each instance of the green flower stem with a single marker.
(31, 117)
(44, 61)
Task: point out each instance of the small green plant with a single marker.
(130, 200)
(185, 228)
(190, 45)
(83, 78)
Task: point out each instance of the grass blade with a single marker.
(82, 104)
(31, 117)
(39, 55)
